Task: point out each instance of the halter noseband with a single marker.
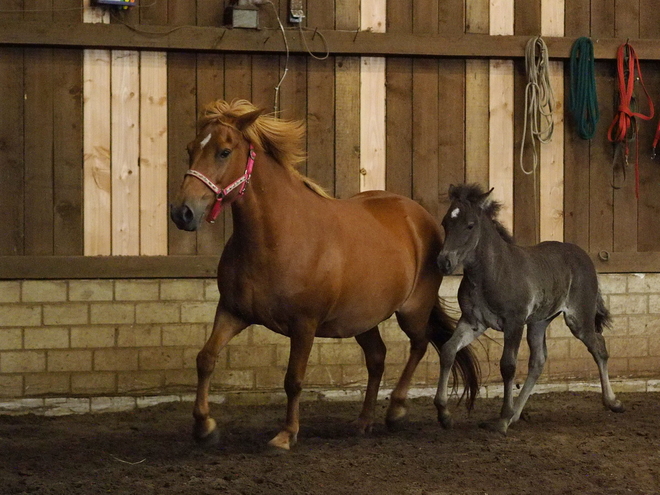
(220, 194)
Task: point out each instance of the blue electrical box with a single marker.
(119, 3)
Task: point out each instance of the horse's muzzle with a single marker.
(184, 217)
(445, 264)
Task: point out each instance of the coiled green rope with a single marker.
(583, 100)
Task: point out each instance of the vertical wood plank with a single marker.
(551, 178)
(38, 131)
(321, 102)
(11, 137)
(347, 107)
(125, 142)
(372, 123)
(626, 25)
(67, 140)
(525, 187)
(153, 153)
(501, 81)
(576, 149)
(600, 191)
(476, 98)
(425, 113)
(648, 229)
(398, 118)
(96, 144)
(210, 87)
(347, 127)
(451, 108)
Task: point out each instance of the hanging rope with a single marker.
(623, 129)
(539, 100)
(583, 100)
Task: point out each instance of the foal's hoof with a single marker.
(206, 433)
(496, 426)
(446, 421)
(617, 407)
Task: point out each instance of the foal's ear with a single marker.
(484, 201)
(452, 191)
(247, 119)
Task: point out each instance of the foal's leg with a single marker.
(462, 337)
(512, 338)
(302, 338)
(586, 332)
(374, 354)
(225, 327)
(537, 357)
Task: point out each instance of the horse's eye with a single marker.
(225, 153)
(470, 225)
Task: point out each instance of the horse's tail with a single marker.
(603, 317)
(442, 328)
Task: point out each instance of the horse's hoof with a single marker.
(496, 426)
(283, 441)
(617, 407)
(362, 426)
(395, 417)
(206, 434)
(446, 421)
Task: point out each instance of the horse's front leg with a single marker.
(462, 337)
(512, 338)
(302, 338)
(225, 327)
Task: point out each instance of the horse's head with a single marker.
(461, 224)
(221, 161)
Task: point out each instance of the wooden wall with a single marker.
(93, 141)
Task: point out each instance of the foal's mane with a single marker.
(282, 139)
(474, 195)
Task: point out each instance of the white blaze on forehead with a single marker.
(205, 141)
(455, 212)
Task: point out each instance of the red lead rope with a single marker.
(624, 126)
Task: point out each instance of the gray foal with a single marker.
(506, 287)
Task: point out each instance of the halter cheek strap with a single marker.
(220, 194)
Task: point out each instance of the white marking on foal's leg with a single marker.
(205, 141)
(455, 212)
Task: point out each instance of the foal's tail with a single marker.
(442, 328)
(603, 318)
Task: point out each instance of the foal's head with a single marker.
(470, 207)
(218, 157)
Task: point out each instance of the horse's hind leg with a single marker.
(415, 329)
(374, 354)
(586, 332)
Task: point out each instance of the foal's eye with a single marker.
(470, 225)
(225, 153)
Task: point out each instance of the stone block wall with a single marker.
(119, 338)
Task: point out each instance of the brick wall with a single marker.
(110, 338)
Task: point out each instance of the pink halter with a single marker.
(220, 194)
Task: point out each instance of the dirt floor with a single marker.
(570, 444)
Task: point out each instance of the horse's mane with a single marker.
(280, 138)
(474, 195)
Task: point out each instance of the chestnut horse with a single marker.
(306, 265)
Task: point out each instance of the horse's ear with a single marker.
(247, 119)
(485, 200)
(452, 191)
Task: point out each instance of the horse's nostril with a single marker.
(187, 215)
